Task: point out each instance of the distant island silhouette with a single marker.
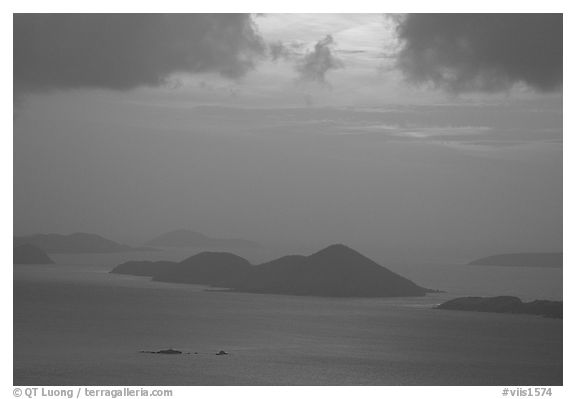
(75, 243)
(527, 259)
(335, 271)
(143, 268)
(191, 239)
(27, 254)
(505, 304)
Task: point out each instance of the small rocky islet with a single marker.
(171, 351)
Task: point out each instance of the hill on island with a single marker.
(336, 271)
(535, 259)
(27, 254)
(75, 243)
(191, 239)
(218, 269)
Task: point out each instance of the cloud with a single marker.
(481, 52)
(278, 50)
(125, 51)
(314, 66)
(345, 51)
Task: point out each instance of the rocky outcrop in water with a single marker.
(165, 352)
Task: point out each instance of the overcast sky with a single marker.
(408, 134)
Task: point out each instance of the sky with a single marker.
(407, 134)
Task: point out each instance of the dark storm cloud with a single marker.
(481, 52)
(124, 51)
(314, 66)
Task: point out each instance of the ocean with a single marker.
(76, 324)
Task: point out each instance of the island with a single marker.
(76, 243)
(165, 352)
(335, 271)
(27, 254)
(143, 268)
(527, 259)
(505, 304)
(191, 239)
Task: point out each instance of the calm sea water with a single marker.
(75, 324)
